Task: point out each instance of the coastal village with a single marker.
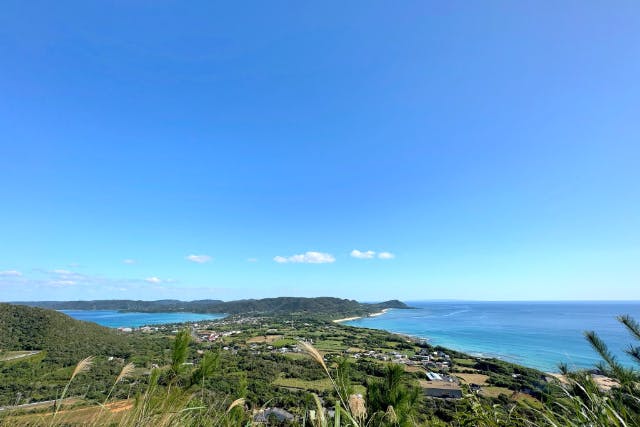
(441, 373)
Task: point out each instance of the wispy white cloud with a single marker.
(309, 257)
(67, 275)
(10, 273)
(362, 255)
(157, 280)
(61, 275)
(386, 255)
(63, 282)
(200, 259)
(371, 254)
(38, 284)
(129, 261)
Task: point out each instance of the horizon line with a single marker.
(435, 300)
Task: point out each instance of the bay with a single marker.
(116, 319)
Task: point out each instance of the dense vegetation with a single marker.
(181, 379)
(282, 305)
(65, 340)
(39, 346)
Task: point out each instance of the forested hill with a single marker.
(65, 340)
(283, 305)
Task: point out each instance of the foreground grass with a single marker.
(113, 414)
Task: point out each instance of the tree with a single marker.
(392, 400)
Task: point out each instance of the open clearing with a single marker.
(408, 368)
(479, 379)
(438, 384)
(295, 383)
(268, 339)
(495, 391)
(13, 355)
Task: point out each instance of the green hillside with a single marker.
(65, 340)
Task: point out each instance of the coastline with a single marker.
(348, 319)
(478, 329)
(416, 338)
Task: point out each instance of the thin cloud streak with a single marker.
(310, 257)
(10, 273)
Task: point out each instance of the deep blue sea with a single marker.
(535, 334)
(116, 319)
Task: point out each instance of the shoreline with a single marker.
(348, 319)
(416, 338)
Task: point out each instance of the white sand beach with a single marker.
(347, 319)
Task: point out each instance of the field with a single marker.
(264, 339)
(479, 379)
(71, 415)
(438, 384)
(492, 391)
(295, 383)
(419, 369)
(464, 362)
(330, 345)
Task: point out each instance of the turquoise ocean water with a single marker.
(535, 334)
(116, 319)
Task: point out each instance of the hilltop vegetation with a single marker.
(63, 339)
(39, 346)
(321, 306)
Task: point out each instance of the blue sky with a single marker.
(488, 150)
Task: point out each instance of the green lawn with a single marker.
(465, 362)
(330, 345)
(283, 342)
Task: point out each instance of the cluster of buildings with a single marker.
(214, 336)
(435, 360)
(437, 364)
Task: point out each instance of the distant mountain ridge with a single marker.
(280, 305)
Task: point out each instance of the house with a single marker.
(441, 386)
(444, 392)
(432, 376)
